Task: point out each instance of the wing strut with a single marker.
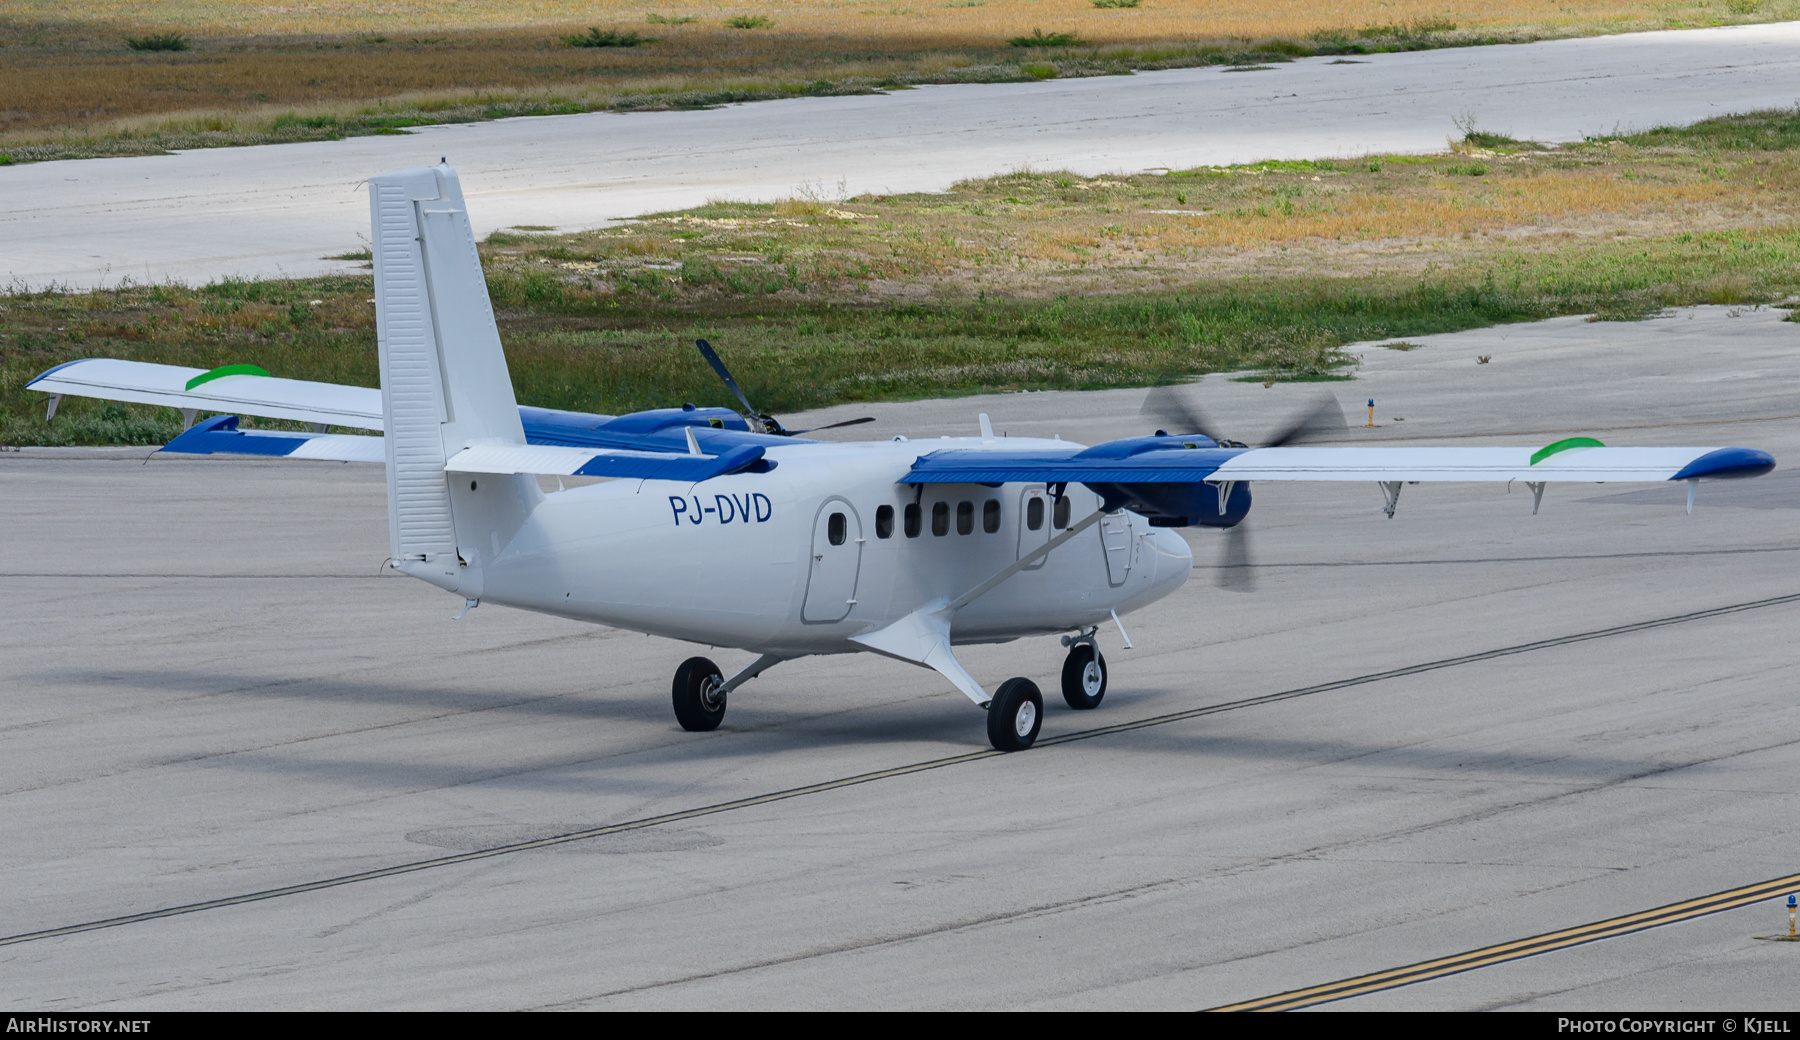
(1391, 489)
(1026, 560)
(923, 636)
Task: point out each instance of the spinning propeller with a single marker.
(757, 421)
(1176, 413)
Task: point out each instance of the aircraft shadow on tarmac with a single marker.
(768, 725)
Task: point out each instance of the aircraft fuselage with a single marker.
(799, 559)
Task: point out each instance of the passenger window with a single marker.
(835, 529)
(1060, 515)
(940, 519)
(990, 516)
(965, 517)
(884, 522)
(1034, 514)
(912, 520)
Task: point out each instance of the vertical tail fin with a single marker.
(444, 382)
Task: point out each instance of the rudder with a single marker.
(444, 381)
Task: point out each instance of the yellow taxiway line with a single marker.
(1424, 971)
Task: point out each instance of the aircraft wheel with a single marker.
(1084, 677)
(699, 703)
(1014, 715)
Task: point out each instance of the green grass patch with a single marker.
(1768, 131)
(595, 37)
(172, 41)
(1499, 142)
(1040, 38)
(750, 21)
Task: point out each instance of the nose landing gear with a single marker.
(1084, 677)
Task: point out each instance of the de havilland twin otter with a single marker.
(723, 528)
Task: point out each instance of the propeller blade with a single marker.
(706, 351)
(1174, 413)
(835, 425)
(1235, 570)
(1323, 420)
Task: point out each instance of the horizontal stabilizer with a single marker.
(221, 436)
(234, 388)
(551, 460)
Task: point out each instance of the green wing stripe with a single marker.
(225, 370)
(1550, 449)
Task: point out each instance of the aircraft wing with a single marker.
(248, 390)
(220, 436)
(1585, 462)
(1179, 481)
(1578, 463)
(244, 389)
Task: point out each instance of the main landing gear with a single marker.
(699, 695)
(1015, 715)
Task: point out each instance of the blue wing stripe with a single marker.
(1179, 466)
(220, 434)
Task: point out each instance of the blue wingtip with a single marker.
(1728, 464)
(54, 369)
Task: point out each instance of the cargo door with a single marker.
(1034, 523)
(1115, 538)
(837, 545)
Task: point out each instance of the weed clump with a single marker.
(1039, 70)
(1296, 355)
(1039, 38)
(1109, 4)
(662, 19)
(1498, 142)
(1473, 169)
(607, 38)
(750, 21)
(159, 42)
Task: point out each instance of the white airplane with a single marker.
(722, 528)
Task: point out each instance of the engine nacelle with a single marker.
(1181, 505)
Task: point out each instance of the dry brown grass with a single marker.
(1042, 234)
(67, 77)
(1171, 19)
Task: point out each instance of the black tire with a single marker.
(697, 707)
(1084, 677)
(1014, 715)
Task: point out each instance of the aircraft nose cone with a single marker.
(1174, 560)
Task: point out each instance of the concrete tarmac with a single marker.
(211, 690)
(279, 210)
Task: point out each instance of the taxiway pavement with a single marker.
(280, 210)
(210, 691)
